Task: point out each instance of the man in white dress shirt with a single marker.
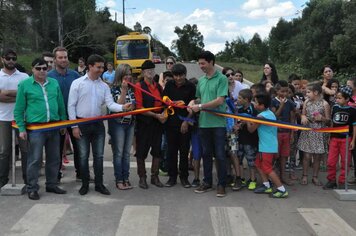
(86, 96)
(10, 77)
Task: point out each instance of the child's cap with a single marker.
(347, 90)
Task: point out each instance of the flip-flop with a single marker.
(316, 182)
(304, 181)
(122, 187)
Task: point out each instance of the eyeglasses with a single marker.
(7, 58)
(169, 63)
(228, 75)
(38, 68)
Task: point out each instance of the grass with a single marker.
(26, 59)
(251, 72)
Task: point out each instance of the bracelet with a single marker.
(200, 106)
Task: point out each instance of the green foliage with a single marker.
(189, 43)
(33, 26)
(254, 51)
(252, 72)
(324, 34)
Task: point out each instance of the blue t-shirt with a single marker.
(285, 114)
(267, 135)
(109, 77)
(64, 81)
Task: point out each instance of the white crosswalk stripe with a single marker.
(229, 221)
(39, 220)
(135, 220)
(139, 220)
(326, 222)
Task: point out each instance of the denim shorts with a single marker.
(249, 152)
(232, 145)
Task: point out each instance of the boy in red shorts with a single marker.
(267, 147)
(284, 109)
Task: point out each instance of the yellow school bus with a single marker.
(133, 49)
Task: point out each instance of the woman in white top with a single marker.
(170, 62)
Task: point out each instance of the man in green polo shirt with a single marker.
(39, 100)
(211, 92)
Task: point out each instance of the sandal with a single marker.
(121, 186)
(128, 184)
(316, 181)
(304, 180)
(292, 176)
(286, 181)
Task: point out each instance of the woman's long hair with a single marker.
(120, 72)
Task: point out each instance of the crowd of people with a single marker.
(179, 141)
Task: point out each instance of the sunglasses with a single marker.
(169, 63)
(7, 58)
(228, 75)
(41, 68)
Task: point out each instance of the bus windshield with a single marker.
(132, 49)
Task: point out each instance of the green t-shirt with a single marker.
(209, 89)
(37, 103)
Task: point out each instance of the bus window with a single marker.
(132, 49)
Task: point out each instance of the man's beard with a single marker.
(9, 67)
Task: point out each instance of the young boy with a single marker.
(248, 143)
(284, 109)
(267, 148)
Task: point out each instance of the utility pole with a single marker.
(123, 12)
(60, 22)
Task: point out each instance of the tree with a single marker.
(147, 30)
(189, 43)
(258, 50)
(138, 27)
(343, 45)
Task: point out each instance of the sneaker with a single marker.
(252, 185)
(237, 185)
(279, 194)
(204, 187)
(65, 159)
(243, 182)
(162, 173)
(171, 182)
(330, 185)
(220, 192)
(195, 183)
(79, 179)
(263, 189)
(229, 180)
(341, 186)
(352, 181)
(185, 183)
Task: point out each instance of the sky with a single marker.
(218, 20)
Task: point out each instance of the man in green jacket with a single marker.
(39, 100)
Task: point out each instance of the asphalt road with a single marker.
(193, 70)
(174, 211)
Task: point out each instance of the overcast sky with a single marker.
(218, 20)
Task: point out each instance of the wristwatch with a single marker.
(200, 106)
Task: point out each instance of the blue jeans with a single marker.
(94, 135)
(121, 141)
(213, 144)
(36, 142)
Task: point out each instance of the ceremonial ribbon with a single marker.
(68, 123)
(279, 124)
(169, 110)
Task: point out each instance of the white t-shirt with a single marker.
(9, 82)
(237, 88)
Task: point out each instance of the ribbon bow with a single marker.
(169, 110)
